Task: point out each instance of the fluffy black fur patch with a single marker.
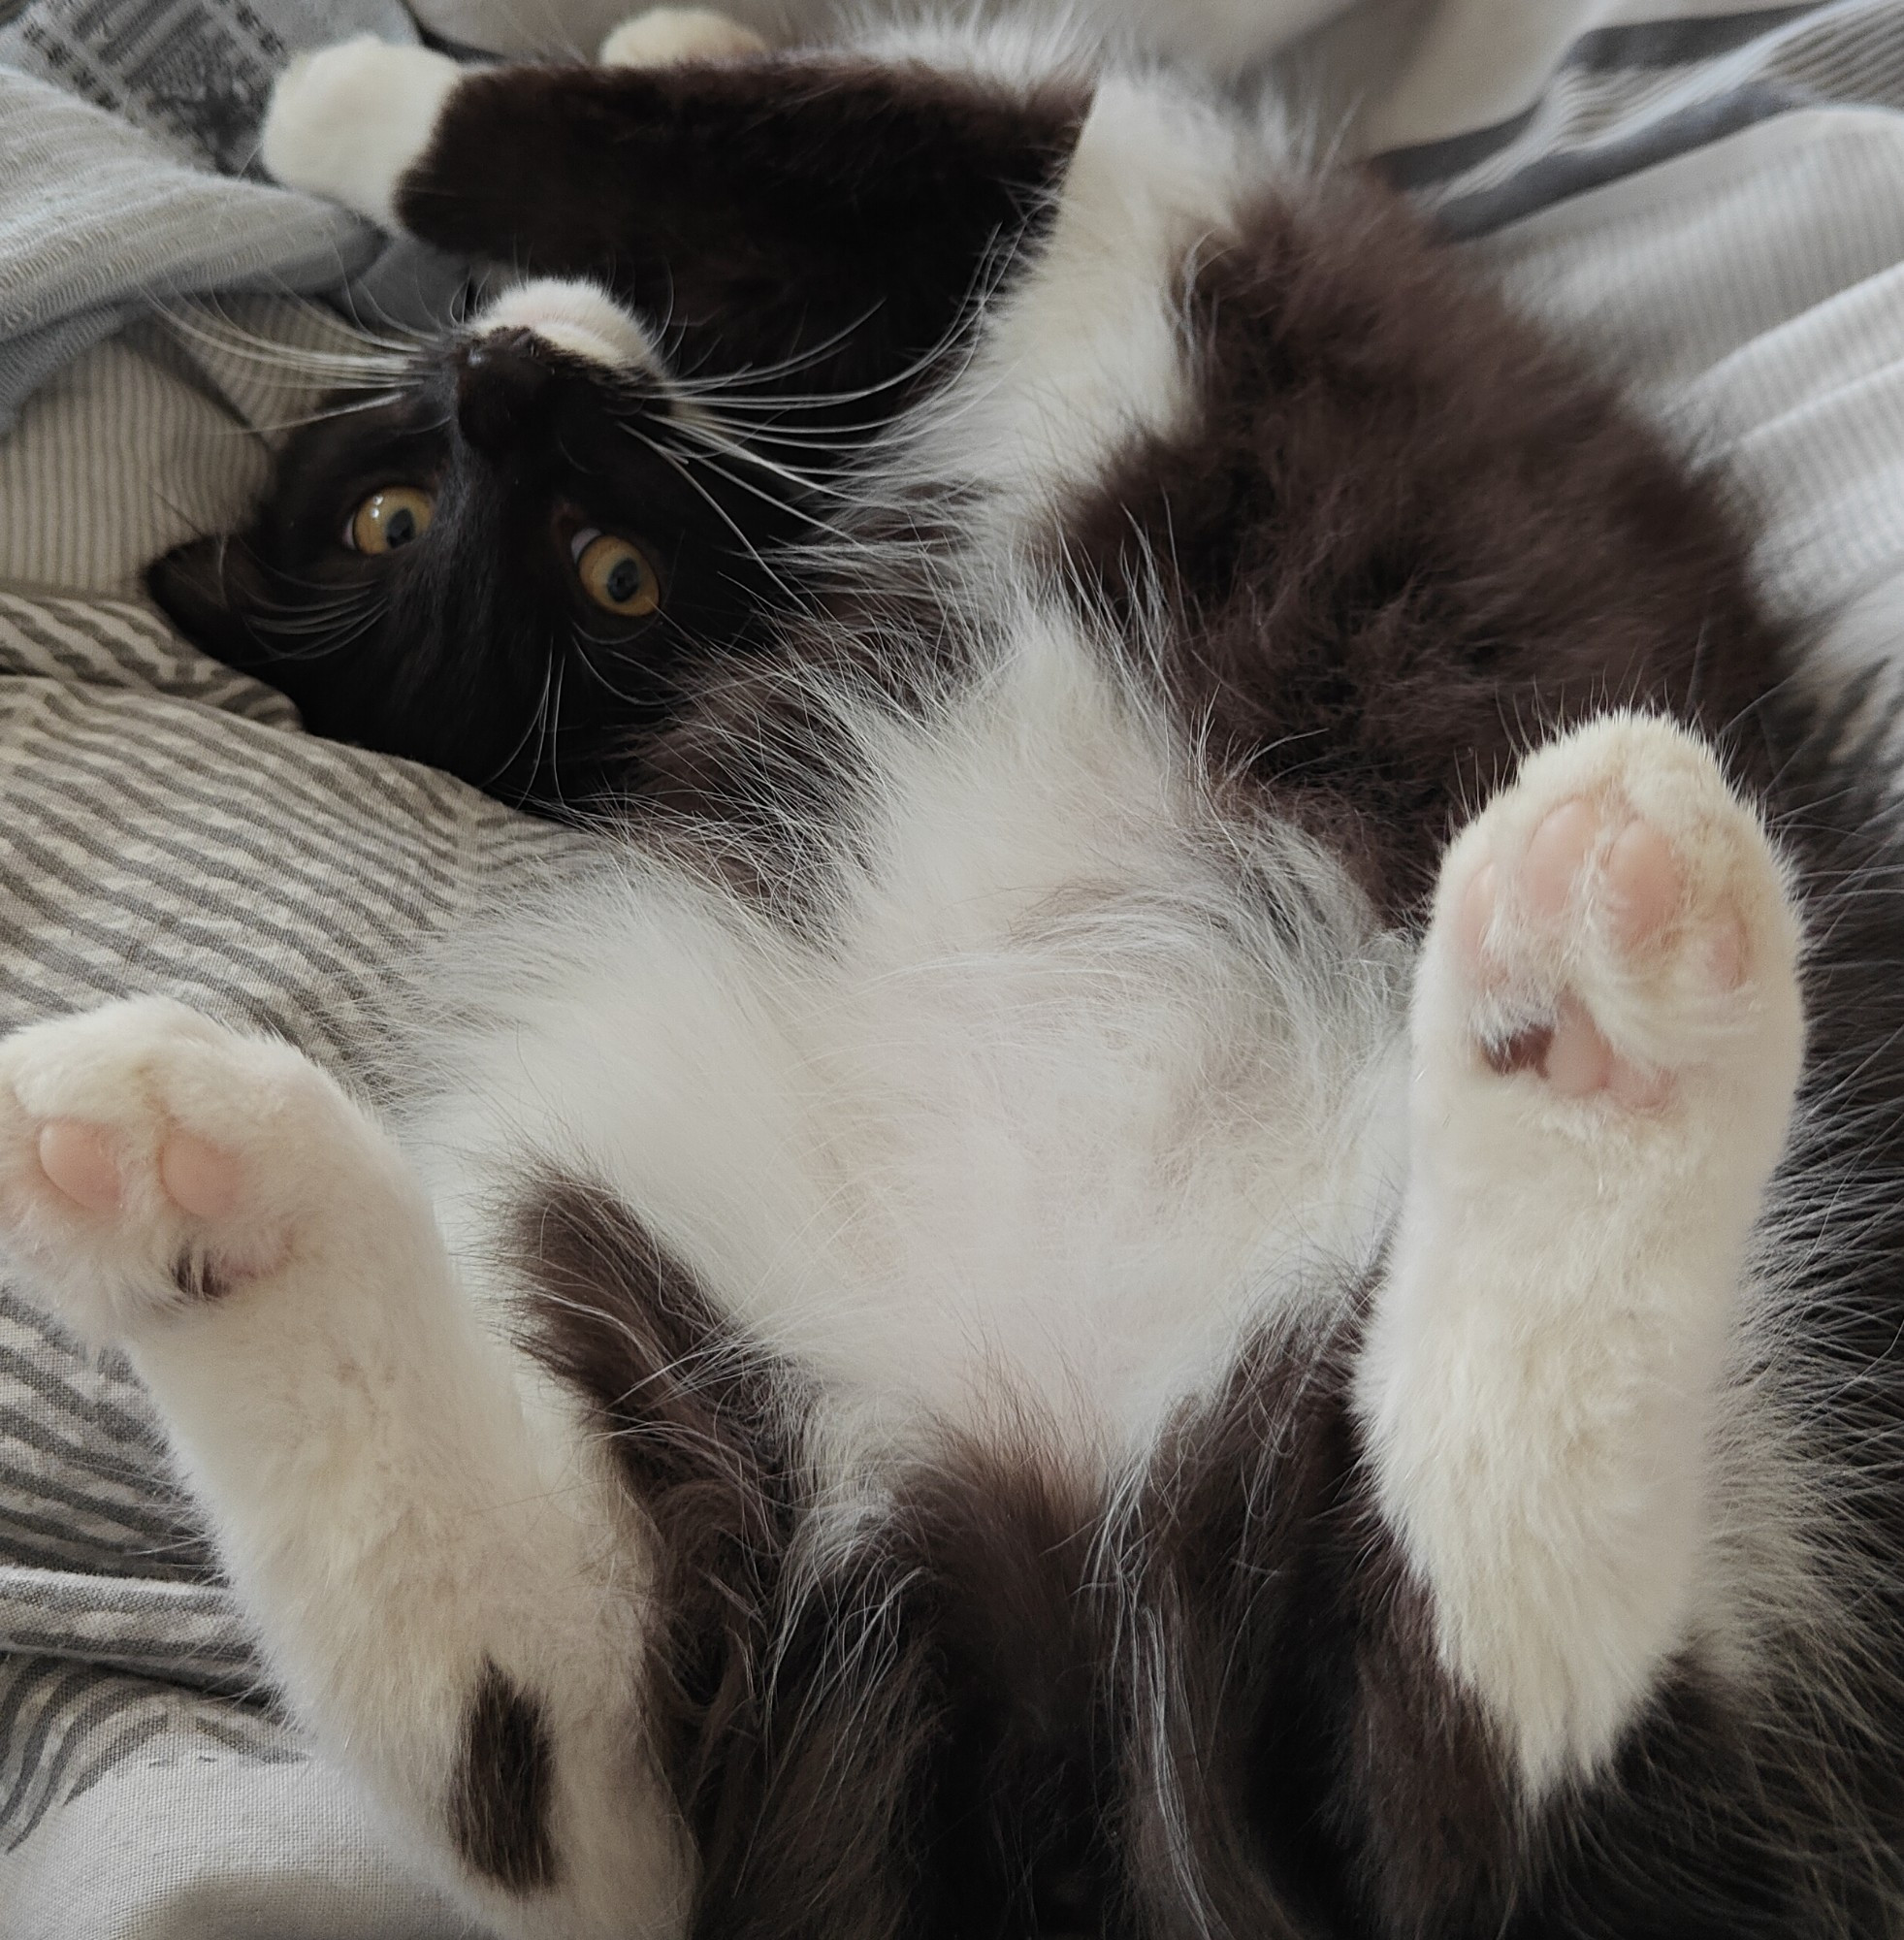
(825, 207)
(1405, 536)
(499, 1805)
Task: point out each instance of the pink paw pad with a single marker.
(1642, 883)
(1580, 1062)
(80, 1161)
(199, 1177)
(1555, 857)
(1639, 883)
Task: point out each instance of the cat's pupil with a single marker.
(400, 527)
(623, 582)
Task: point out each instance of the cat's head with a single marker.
(510, 564)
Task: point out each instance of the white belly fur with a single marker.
(1055, 1113)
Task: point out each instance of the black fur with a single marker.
(822, 207)
(500, 1809)
(1404, 534)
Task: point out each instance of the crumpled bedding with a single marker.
(124, 129)
(1712, 201)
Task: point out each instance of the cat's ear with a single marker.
(202, 588)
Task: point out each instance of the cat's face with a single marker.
(509, 566)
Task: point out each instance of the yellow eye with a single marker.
(391, 517)
(616, 575)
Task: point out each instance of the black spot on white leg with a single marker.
(500, 1809)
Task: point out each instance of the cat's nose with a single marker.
(499, 381)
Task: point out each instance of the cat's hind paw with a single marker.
(665, 36)
(151, 1160)
(1606, 1038)
(348, 122)
(1614, 931)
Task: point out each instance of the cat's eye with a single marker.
(392, 517)
(615, 575)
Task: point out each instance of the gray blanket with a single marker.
(1714, 205)
(125, 126)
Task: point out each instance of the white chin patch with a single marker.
(580, 319)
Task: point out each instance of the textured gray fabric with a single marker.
(196, 73)
(164, 826)
(1623, 98)
(116, 117)
(97, 218)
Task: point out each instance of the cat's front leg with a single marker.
(663, 36)
(824, 215)
(347, 121)
(431, 1560)
(1607, 1036)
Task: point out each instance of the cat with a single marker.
(1206, 1241)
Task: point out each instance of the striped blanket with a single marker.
(1712, 201)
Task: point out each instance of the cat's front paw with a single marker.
(665, 36)
(1614, 934)
(151, 1160)
(349, 121)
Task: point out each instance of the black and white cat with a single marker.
(1051, 1308)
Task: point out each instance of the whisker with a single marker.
(601, 680)
(759, 492)
(728, 449)
(378, 401)
(339, 369)
(797, 361)
(327, 628)
(530, 728)
(669, 459)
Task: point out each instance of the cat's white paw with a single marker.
(1606, 1038)
(1614, 932)
(663, 36)
(349, 120)
(151, 1160)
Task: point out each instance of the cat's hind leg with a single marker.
(443, 1584)
(1606, 1041)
